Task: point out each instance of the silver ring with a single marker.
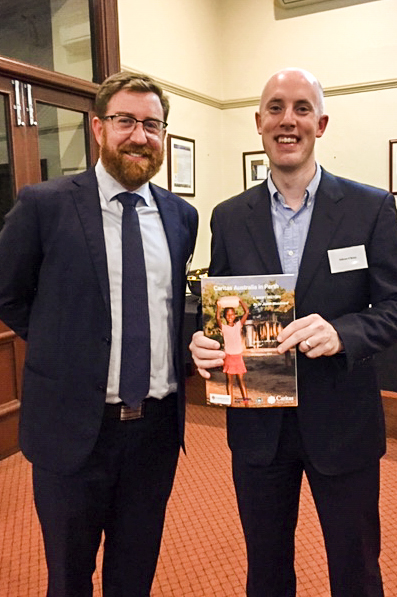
(308, 344)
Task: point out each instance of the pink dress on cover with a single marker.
(234, 363)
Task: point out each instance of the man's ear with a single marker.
(258, 122)
(97, 128)
(322, 125)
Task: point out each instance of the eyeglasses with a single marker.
(124, 123)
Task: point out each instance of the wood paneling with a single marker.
(11, 362)
(389, 400)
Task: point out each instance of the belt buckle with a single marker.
(127, 413)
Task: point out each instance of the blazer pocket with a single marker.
(32, 370)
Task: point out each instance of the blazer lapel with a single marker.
(88, 206)
(327, 214)
(260, 225)
(170, 217)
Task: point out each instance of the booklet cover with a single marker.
(246, 314)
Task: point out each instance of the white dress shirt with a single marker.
(158, 273)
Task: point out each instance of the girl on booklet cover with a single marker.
(231, 331)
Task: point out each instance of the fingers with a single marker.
(295, 334)
(313, 335)
(206, 354)
(204, 373)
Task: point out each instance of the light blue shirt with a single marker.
(291, 227)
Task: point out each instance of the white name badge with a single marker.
(347, 259)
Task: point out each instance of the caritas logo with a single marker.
(280, 399)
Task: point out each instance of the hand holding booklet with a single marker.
(246, 314)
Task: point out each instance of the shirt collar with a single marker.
(110, 187)
(311, 188)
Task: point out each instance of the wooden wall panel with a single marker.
(11, 363)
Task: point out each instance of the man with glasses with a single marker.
(93, 276)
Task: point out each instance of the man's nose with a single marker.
(288, 118)
(138, 134)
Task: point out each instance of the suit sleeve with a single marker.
(193, 225)
(375, 328)
(219, 265)
(20, 260)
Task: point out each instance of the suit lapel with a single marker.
(170, 217)
(88, 206)
(260, 225)
(327, 213)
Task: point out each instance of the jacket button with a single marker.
(107, 341)
(101, 388)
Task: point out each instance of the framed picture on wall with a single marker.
(256, 167)
(181, 165)
(393, 166)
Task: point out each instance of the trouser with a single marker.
(122, 490)
(347, 505)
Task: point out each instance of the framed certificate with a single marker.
(393, 166)
(181, 165)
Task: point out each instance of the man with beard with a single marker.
(93, 276)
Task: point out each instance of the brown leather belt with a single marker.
(150, 407)
(123, 412)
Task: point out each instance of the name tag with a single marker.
(347, 259)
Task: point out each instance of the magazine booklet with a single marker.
(246, 314)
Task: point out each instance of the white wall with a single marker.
(174, 40)
(356, 142)
(343, 46)
(203, 124)
(226, 49)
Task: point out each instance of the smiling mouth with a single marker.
(134, 154)
(135, 151)
(286, 139)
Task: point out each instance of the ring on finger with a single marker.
(308, 344)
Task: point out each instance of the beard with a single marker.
(131, 174)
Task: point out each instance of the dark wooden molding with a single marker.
(52, 80)
(105, 38)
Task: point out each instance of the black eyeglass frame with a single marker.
(111, 116)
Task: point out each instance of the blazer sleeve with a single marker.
(219, 265)
(193, 226)
(20, 260)
(375, 328)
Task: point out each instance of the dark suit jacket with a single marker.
(340, 412)
(54, 292)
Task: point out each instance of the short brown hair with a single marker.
(130, 82)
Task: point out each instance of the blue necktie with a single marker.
(135, 345)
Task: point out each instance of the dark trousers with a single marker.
(347, 505)
(122, 490)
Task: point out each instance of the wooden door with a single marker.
(44, 133)
(12, 352)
